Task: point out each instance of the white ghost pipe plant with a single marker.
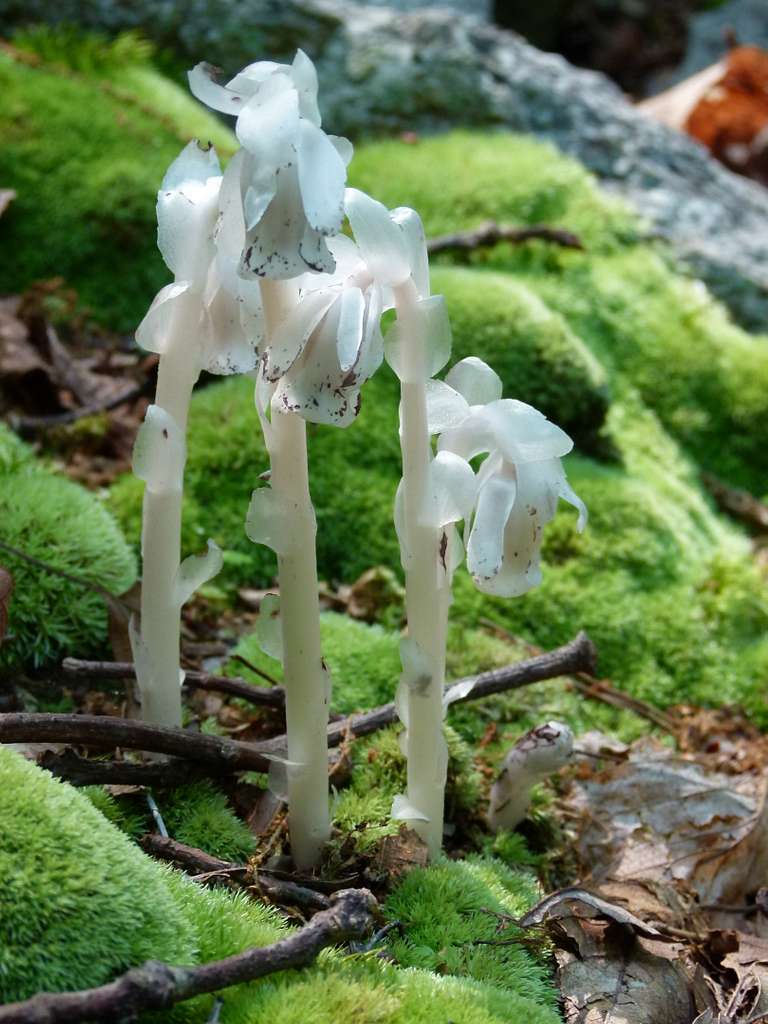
(193, 324)
(283, 208)
(535, 756)
(433, 495)
(504, 506)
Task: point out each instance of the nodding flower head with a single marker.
(291, 175)
(225, 314)
(518, 484)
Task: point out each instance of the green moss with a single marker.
(537, 355)
(86, 154)
(119, 812)
(445, 909)
(199, 815)
(80, 902)
(14, 454)
(60, 523)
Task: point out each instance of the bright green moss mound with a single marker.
(14, 454)
(199, 815)
(60, 523)
(445, 909)
(85, 153)
(80, 903)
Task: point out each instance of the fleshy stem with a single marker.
(177, 373)
(305, 678)
(427, 581)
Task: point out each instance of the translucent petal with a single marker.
(268, 125)
(372, 348)
(485, 551)
(410, 224)
(453, 486)
(229, 235)
(381, 241)
(475, 380)
(248, 81)
(343, 147)
(305, 80)
(195, 163)
(322, 176)
(523, 434)
(350, 329)
(401, 706)
(186, 218)
(446, 408)
(569, 495)
(159, 452)
(203, 85)
(196, 570)
(226, 349)
(153, 332)
(271, 520)
(269, 627)
(292, 334)
(435, 336)
(404, 810)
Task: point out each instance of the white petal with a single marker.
(248, 81)
(186, 218)
(350, 329)
(305, 80)
(292, 334)
(196, 570)
(458, 691)
(453, 487)
(153, 331)
(404, 810)
(410, 224)
(372, 348)
(159, 452)
(226, 348)
(523, 434)
(343, 147)
(269, 123)
(485, 551)
(381, 241)
(446, 408)
(271, 520)
(269, 627)
(322, 176)
(475, 380)
(203, 85)
(569, 495)
(434, 334)
(194, 163)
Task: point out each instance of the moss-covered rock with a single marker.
(81, 903)
(85, 151)
(59, 523)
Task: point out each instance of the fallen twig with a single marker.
(738, 503)
(207, 869)
(29, 425)
(103, 732)
(578, 655)
(490, 233)
(225, 755)
(83, 771)
(269, 696)
(158, 986)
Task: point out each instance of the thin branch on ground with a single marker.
(207, 869)
(226, 755)
(30, 425)
(738, 503)
(103, 732)
(158, 986)
(490, 233)
(235, 687)
(84, 771)
(578, 655)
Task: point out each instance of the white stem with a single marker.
(428, 587)
(177, 372)
(305, 678)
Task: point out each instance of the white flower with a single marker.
(330, 344)
(224, 311)
(519, 483)
(292, 174)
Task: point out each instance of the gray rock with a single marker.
(384, 71)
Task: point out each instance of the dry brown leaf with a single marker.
(401, 853)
